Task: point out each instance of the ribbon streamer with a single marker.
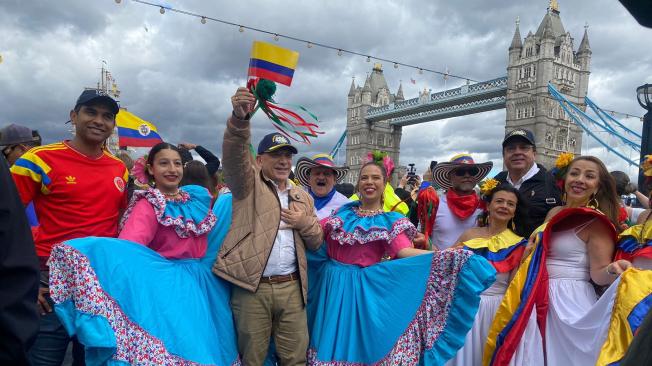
(286, 121)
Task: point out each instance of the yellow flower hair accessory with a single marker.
(487, 186)
(563, 160)
(561, 165)
(646, 166)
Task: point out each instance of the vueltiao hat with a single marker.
(302, 169)
(441, 172)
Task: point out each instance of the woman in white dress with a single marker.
(503, 248)
(581, 249)
(575, 247)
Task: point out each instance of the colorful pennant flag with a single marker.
(272, 62)
(134, 131)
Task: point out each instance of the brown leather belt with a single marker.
(280, 278)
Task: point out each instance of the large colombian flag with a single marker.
(633, 302)
(273, 62)
(134, 131)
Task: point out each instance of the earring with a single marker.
(563, 198)
(513, 225)
(593, 202)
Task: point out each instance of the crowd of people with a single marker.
(163, 259)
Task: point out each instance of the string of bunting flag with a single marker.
(340, 51)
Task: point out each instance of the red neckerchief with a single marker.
(462, 206)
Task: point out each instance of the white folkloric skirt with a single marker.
(577, 321)
(530, 349)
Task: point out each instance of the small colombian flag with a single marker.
(273, 62)
(134, 131)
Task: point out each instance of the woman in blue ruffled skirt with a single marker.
(374, 299)
(149, 297)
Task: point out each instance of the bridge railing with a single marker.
(477, 91)
(475, 106)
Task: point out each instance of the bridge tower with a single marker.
(363, 136)
(547, 56)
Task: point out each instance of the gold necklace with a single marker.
(369, 212)
(171, 195)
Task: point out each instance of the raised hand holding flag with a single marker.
(269, 64)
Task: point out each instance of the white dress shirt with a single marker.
(282, 259)
(530, 173)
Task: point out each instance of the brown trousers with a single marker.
(273, 310)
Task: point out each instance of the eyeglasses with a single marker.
(464, 171)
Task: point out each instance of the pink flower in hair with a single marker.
(370, 157)
(139, 171)
(388, 164)
(381, 157)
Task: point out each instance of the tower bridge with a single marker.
(467, 99)
(375, 116)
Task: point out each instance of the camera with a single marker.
(412, 174)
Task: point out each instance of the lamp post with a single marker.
(644, 96)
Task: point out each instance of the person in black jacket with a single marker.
(536, 185)
(404, 191)
(19, 275)
(212, 161)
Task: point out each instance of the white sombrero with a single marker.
(441, 172)
(302, 170)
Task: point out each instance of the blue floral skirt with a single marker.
(127, 304)
(412, 311)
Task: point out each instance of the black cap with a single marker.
(521, 133)
(273, 142)
(92, 95)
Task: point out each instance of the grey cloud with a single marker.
(180, 73)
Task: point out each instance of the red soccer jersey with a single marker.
(74, 196)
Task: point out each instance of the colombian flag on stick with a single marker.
(272, 62)
(134, 131)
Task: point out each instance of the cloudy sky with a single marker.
(179, 74)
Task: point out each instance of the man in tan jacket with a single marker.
(263, 254)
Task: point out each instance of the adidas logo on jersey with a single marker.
(71, 180)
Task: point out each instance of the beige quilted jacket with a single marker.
(257, 215)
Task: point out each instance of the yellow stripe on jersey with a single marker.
(50, 147)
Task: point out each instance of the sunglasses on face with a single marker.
(464, 171)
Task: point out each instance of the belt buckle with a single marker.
(270, 279)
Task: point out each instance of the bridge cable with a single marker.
(563, 103)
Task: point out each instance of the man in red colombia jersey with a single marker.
(78, 190)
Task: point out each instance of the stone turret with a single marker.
(583, 57)
(352, 89)
(366, 92)
(362, 136)
(584, 45)
(516, 46)
(399, 94)
(547, 56)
